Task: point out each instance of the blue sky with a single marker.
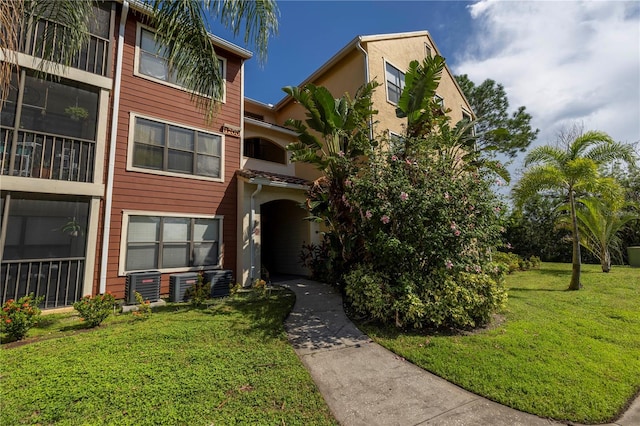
(311, 32)
(568, 62)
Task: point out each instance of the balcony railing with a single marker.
(59, 280)
(47, 156)
(92, 57)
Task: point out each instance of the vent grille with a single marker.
(146, 283)
(179, 284)
(220, 281)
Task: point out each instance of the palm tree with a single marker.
(180, 27)
(334, 138)
(599, 222)
(572, 170)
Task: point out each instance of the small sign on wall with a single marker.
(230, 130)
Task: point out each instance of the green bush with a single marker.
(144, 308)
(199, 292)
(95, 309)
(513, 262)
(444, 299)
(367, 293)
(17, 317)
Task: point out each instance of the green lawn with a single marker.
(559, 354)
(228, 364)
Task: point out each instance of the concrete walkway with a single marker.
(365, 384)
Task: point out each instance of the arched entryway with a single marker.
(283, 230)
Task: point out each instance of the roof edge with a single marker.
(140, 6)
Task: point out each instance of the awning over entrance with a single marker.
(273, 179)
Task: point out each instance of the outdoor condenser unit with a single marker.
(179, 284)
(220, 280)
(146, 283)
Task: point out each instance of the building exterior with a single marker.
(271, 193)
(107, 167)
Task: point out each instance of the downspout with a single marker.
(106, 226)
(366, 78)
(252, 243)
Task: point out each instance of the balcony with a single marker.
(59, 280)
(46, 156)
(94, 56)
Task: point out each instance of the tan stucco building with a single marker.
(271, 188)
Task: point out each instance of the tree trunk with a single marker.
(605, 260)
(575, 273)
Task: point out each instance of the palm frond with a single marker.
(545, 154)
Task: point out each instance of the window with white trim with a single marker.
(427, 50)
(153, 62)
(171, 148)
(395, 82)
(168, 242)
(396, 142)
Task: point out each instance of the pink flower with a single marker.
(404, 196)
(341, 154)
(368, 214)
(449, 264)
(498, 182)
(408, 161)
(509, 245)
(446, 196)
(385, 219)
(477, 268)
(453, 226)
(394, 158)
(471, 207)
(496, 209)
(457, 233)
(499, 165)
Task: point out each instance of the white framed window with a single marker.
(171, 149)
(169, 242)
(395, 82)
(151, 61)
(427, 50)
(396, 142)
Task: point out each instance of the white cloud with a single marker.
(567, 62)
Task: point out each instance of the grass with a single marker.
(227, 364)
(566, 355)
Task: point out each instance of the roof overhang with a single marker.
(273, 179)
(142, 7)
(270, 126)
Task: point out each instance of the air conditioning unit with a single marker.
(146, 283)
(179, 284)
(220, 281)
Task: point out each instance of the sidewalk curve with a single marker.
(365, 384)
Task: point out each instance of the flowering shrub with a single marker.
(426, 231)
(17, 317)
(95, 309)
(144, 307)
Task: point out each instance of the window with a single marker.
(153, 58)
(169, 242)
(439, 100)
(396, 142)
(427, 50)
(264, 149)
(395, 83)
(153, 62)
(175, 149)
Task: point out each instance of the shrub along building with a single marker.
(108, 168)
